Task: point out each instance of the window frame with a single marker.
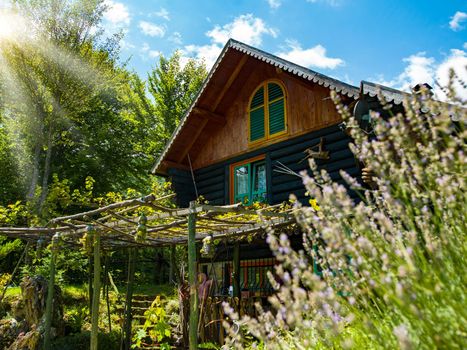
(250, 162)
(267, 137)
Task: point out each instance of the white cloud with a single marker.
(245, 28)
(208, 53)
(465, 45)
(419, 69)
(313, 57)
(147, 52)
(162, 13)
(117, 13)
(274, 4)
(423, 69)
(151, 29)
(125, 45)
(176, 38)
(329, 2)
(457, 60)
(456, 20)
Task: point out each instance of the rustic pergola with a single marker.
(145, 222)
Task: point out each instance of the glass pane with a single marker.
(241, 180)
(259, 185)
(260, 178)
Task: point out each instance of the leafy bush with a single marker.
(156, 330)
(393, 265)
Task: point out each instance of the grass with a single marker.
(13, 292)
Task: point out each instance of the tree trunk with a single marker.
(35, 172)
(46, 174)
(39, 130)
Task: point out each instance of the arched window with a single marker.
(267, 116)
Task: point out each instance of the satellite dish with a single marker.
(361, 113)
(360, 109)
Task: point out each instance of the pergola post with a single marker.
(129, 300)
(192, 278)
(96, 290)
(50, 295)
(236, 271)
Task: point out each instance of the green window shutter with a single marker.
(276, 117)
(258, 99)
(274, 91)
(257, 124)
(257, 127)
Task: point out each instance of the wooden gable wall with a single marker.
(309, 108)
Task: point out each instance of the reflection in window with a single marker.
(250, 183)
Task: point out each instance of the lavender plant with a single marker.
(393, 265)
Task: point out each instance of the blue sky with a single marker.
(397, 42)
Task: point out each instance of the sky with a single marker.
(398, 43)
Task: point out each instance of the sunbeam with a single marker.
(12, 26)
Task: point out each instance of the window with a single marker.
(248, 181)
(267, 117)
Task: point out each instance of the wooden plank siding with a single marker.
(212, 182)
(308, 108)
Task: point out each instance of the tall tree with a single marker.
(10, 184)
(64, 89)
(173, 86)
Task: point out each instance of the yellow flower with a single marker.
(314, 204)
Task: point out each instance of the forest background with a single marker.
(78, 128)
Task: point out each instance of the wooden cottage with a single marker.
(256, 115)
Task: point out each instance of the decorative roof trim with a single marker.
(315, 77)
(390, 95)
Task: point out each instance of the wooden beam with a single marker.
(129, 300)
(96, 291)
(192, 279)
(236, 271)
(213, 117)
(227, 85)
(171, 164)
(192, 140)
(50, 297)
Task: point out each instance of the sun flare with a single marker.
(11, 25)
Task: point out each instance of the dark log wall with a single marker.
(212, 182)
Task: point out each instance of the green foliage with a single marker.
(156, 330)
(9, 246)
(10, 182)
(68, 107)
(173, 87)
(209, 346)
(75, 318)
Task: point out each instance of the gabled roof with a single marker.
(305, 73)
(390, 95)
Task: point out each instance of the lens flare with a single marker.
(11, 26)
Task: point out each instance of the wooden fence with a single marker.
(212, 315)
